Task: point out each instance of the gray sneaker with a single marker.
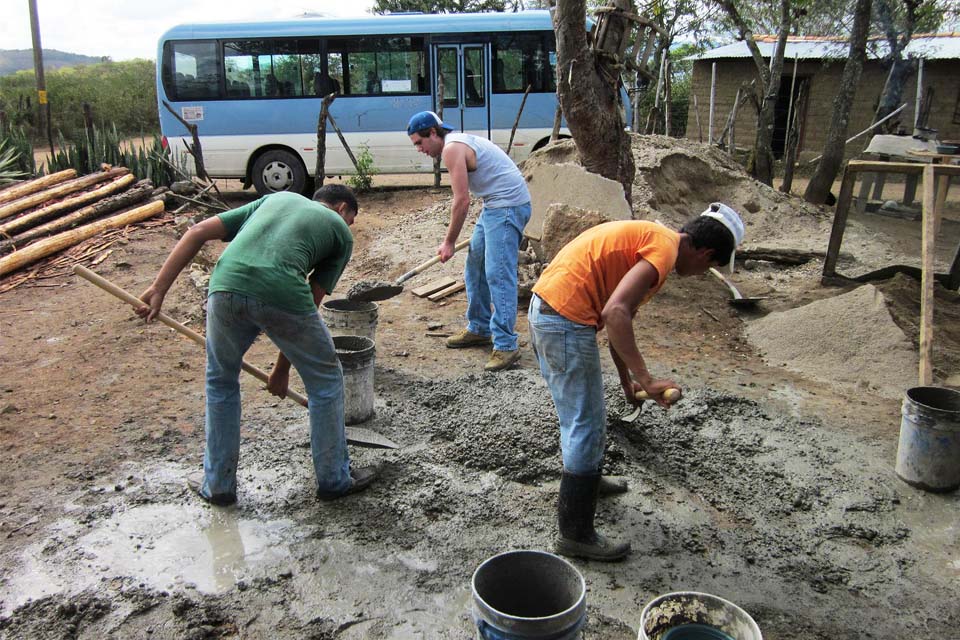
(195, 484)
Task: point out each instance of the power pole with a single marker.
(42, 102)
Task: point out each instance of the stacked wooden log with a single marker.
(42, 217)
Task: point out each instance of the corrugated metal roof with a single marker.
(941, 46)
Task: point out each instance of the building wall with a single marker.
(942, 75)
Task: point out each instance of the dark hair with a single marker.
(425, 133)
(708, 232)
(335, 194)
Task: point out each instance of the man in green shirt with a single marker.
(285, 254)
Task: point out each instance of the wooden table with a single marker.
(933, 197)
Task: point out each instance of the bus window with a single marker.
(377, 65)
(523, 59)
(447, 62)
(473, 77)
(191, 70)
(267, 68)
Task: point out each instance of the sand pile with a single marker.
(849, 340)
(677, 178)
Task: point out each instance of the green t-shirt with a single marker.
(278, 241)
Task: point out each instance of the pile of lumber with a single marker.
(46, 216)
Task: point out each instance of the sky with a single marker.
(126, 29)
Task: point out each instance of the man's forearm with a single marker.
(184, 251)
(458, 216)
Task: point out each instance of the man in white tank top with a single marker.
(478, 166)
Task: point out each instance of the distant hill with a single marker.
(13, 60)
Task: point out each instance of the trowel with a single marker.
(738, 300)
(376, 291)
(355, 435)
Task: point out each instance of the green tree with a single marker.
(445, 6)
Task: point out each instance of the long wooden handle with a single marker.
(429, 263)
(670, 396)
(132, 300)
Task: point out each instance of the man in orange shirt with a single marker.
(599, 280)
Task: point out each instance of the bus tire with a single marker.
(278, 170)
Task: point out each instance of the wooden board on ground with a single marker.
(443, 293)
(432, 287)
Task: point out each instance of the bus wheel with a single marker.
(278, 170)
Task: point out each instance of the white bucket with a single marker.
(357, 355)
(928, 454)
(690, 614)
(345, 317)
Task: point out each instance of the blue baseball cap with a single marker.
(425, 120)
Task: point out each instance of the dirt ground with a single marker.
(769, 486)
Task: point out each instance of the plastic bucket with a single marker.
(524, 595)
(928, 454)
(357, 356)
(345, 317)
(689, 615)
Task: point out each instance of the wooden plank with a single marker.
(443, 293)
(927, 252)
(432, 287)
(839, 221)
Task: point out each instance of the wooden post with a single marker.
(557, 120)
(732, 147)
(195, 150)
(43, 103)
(517, 121)
(343, 141)
(320, 169)
(696, 115)
(666, 96)
(436, 161)
(927, 275)
(839, 222)
(919, 96)
(713, 97)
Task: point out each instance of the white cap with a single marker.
(731, 220)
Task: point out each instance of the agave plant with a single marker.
(9, 160)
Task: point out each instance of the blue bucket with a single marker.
(528, 595)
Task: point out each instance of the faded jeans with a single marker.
(491, 274)
(570, 363)
(233, 323)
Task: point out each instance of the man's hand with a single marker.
(153, 300)
(279, 381)
(445, 250)
(654, 388)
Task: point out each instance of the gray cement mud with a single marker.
(804, 527)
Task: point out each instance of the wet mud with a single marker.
(804, 527)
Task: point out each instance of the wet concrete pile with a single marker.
(805, 528)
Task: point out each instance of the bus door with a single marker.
(466, 86)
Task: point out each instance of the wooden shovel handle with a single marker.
(135, 302)
(429, 263)
(670, 395)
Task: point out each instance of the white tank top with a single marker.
(496, 179)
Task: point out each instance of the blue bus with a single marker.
(254, 89)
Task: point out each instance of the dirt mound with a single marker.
(677, 178)
(847, 340)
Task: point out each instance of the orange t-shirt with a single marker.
(581, 278)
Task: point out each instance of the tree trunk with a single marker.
(818, 188)
(900, 69)
(588, 89)
(18, 191)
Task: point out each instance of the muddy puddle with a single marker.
(805, 528)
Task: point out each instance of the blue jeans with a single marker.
(233, 323)
(570, 363)
(491, 274)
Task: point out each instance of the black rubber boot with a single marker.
(575, 511)
(611, 487)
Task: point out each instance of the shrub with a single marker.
(363, 180)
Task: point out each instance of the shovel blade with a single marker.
(368, 438)
(374, 292)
